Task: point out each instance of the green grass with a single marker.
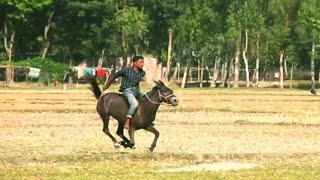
(133, 171)
(147, 166)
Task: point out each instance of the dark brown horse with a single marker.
(113, 104)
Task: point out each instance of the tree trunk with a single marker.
(265, 65)
(201, 72)
(9, 48)
(136, 46)
(46, 39)
(224, 72)
(210, 76)
(245, 59)
(230, 74)
(174, 77)
(46, 49)
(282, 58)
(264, 76)
(184, 79)
(256, 73)
(285, 68)
(199, 69)
(312, 66)
(169, 54)
(190, 75)
(213, 82)
(255, 77)
(216, 70)
(179, 68)
(8, 45)
(319, 75)
(236, 64)
(281, 69)
(9, 75)
(100, 61)
(291, 75)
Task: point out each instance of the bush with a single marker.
(49, 68)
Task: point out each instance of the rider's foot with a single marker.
(127, 123)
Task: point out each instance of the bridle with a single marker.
(161, 96)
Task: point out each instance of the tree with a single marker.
(282, 15)
(133, 25)
(16, 13)
(309, 32)
(234, 35)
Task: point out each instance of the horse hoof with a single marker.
(123, 143)
(131, 146)
(151, 149)
(116, 145)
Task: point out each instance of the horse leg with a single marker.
(131, 134)
(156, 136)
(126, 142)
(105, 119)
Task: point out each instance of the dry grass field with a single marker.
(57, 134)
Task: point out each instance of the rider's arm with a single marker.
(112, 77)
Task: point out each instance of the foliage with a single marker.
(49, 68)
(133, 24)
(84, 29)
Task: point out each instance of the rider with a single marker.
(131, 77)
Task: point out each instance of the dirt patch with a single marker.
(68, 124)
(219, 166)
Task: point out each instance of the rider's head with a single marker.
(138, 61)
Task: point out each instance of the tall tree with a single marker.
(134, 25)
(309, 32)
(280, 22)
(234, 35)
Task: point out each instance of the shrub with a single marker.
(49, 68)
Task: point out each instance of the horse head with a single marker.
(166, 94)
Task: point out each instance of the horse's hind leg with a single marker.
(105, 119)
(156, 136)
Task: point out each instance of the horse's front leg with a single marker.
(126, 142)
(156, 136)
(131, 135)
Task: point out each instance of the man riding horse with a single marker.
(131, 78)
(138, 117)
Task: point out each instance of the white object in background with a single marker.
(34, 72)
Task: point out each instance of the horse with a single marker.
(115, 105)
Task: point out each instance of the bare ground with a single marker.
(36, 124)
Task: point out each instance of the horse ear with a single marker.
(157, 83)
(161, 83)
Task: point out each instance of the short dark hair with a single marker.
(136, 58)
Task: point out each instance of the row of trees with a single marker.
(227, 35)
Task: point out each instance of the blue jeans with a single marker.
(131, 94)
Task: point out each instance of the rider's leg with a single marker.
(133, 103)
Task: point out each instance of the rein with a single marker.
(160, 96)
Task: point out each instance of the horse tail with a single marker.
(95, 87)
